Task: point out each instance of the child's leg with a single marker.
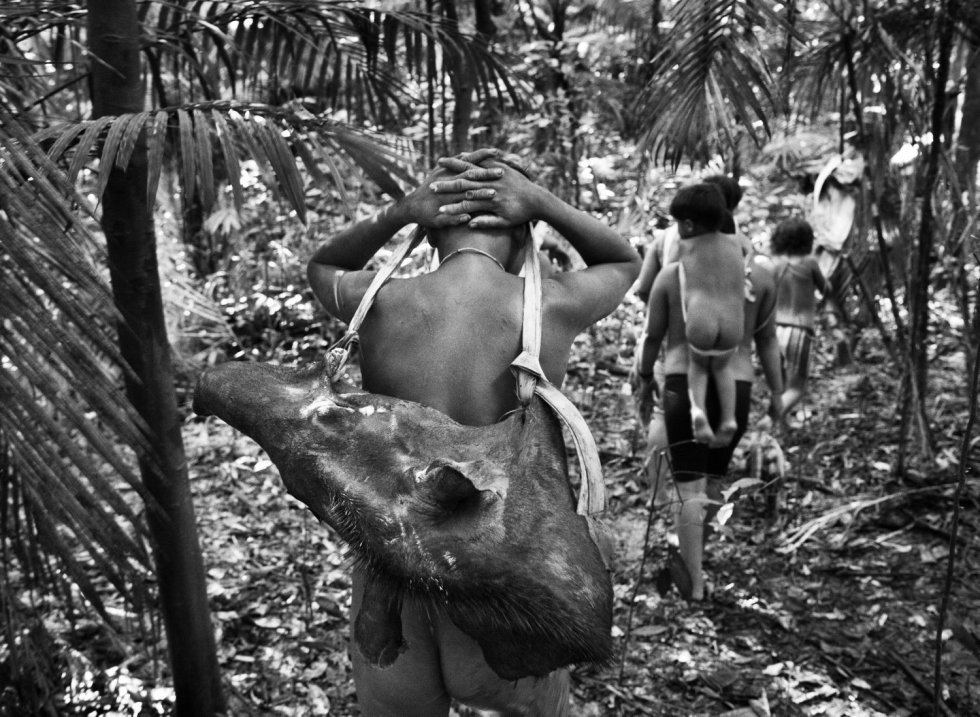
(796, 357)
(697, 384)
(721, 369)
(795, 388)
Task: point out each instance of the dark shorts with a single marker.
(689, 460)
(794, 345)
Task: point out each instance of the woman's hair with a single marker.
(702, 203)
(792, 236)
(730, 189)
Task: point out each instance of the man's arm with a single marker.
(767, 348)
(651, 267)
(655, 328)
(648, 347)
(334, 269)
(819, 280)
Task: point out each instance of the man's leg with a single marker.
(688, 463)
(471, 681)
(411, 686)
(657, 465)
(793, 394)
(689, 523)
(795, 343)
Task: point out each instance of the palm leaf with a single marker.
(232, 167)
(133, 127)
(283, 164)
(65, 134)
(706, 82)
(157, 142)
(273, 137)
(109, 150)
(245, 131)
(202, 137)
(86, 143)
(69, 436)
(308, 49)
(849, 43)
(188, 151)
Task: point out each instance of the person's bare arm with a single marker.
(819, 280)
(767, 348)
(655, 327)
(334, 269)
(648, 347)
(651, 267)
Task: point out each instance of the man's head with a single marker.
(793, 237)
(698, 209)
(731, 190)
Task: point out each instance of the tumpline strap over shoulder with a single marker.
(530, 377)
(531, 380)
(339, 353)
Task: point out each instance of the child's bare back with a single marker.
(713, 292)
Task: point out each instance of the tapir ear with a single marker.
(448, 489)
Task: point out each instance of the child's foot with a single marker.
(700, 426)
(724, 434)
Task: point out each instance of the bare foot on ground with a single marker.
(725, 434)
(700, 427)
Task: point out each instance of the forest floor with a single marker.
(828, 607)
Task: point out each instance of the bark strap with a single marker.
(339, 353)
(531, 380)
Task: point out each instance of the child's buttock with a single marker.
(714, 325)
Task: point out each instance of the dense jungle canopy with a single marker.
(168, 168)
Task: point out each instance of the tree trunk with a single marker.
(922, 267)
(462, 76)
(966, 156)
(968, 144)
(127, 220)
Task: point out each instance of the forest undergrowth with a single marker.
(828, 606)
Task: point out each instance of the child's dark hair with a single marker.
(701, 203)
(730, 189)
(793, 237)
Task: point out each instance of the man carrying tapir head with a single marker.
(446, 339)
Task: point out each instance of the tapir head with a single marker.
(480, 520)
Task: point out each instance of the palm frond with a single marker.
(712, 79)
(852, 52)
(337, 54)
(273, 137)
(68, 434)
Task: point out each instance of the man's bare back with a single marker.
(455, 354)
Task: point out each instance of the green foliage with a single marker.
(710, 78)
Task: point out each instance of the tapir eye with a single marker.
(449, 491)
